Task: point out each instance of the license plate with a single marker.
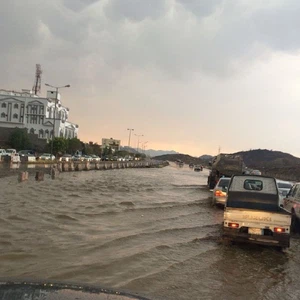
(257, 231)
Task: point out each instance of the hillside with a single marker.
(187, 159)
(274, 163)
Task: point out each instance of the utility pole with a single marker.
(130, 129)
(53, 130)
(138, 143)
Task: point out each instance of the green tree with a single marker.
(20, 140)
(74, 145)
(60, 145)
(107, 151)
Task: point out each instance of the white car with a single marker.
(220, 191)
(47, 156)
(11, 152)
(66, 157)
(95, 157)
(283, 187)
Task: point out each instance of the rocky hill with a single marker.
(187, 159)
(274, 163)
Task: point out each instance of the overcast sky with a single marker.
(190, 75)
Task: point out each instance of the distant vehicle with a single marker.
(255, 172)
(220, 191)
(46, 156)
(66, 157)
(252, 213)
(87, 158)
(2, 152)
(198, 168)
(95, 157)
(11, 151)
(26, 153)
(283, 187)
(291, 203)
(224, 165)
(191, 165)
(78, 158)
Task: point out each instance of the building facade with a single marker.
(36, 114)
(111, 143)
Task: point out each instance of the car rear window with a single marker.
(223, 183)
(253, 184)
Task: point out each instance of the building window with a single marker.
(41, 133)
(3, 105)
(46, 133)
(32, 131)
(16, 105)
(15, 116)
(3, 115)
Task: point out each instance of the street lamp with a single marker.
(53, 130)
(138, 143)
(130, 129)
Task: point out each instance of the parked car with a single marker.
(291, 203)
(46, 156)
(252, 213)
(283, 187)
(23, 153)
(11, 152)
(66, 157)
(78, 158)
(87, 158)
(95, 157)
(2, 152)
(220, 191)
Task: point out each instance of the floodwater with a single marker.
(150, 232)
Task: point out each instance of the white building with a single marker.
(25, 110)
(111, 143)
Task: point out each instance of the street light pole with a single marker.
(138, 143)
(130, 129)
(54, 115)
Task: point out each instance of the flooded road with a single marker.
(146, 231)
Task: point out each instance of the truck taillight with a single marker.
(279, 229)
(219, 193)
(234, 225)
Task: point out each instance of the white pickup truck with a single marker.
(252, 213)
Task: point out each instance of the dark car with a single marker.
(26, 153)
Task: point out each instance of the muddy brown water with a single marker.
(150, 232)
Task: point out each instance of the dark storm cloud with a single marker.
(179, 36)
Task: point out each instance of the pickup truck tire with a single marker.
(295, 226)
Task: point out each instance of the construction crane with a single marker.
(37, 82)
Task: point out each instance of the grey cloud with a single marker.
(200, 8)
(176, 43)
(78, 5)
(135, 10)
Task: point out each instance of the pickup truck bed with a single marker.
(257, 227)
